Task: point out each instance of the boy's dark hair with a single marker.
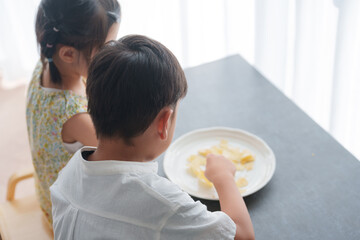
(82, 24)
(129, 82)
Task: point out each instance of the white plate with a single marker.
(175, 159)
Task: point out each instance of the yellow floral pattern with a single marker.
(46, 112)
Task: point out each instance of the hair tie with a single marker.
(50, 60)
(55, 29)
(114, 15)
(49, 45)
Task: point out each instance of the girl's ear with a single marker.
(68, 54)
(164, 122)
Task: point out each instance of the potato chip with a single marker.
(243, 160)
(241, 182)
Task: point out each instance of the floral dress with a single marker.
(46, 112)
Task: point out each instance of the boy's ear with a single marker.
(68, 54)
(163, 122)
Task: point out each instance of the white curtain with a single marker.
(18, 51)
(309, 49)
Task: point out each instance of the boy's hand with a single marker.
(218, 168)
(220, 171)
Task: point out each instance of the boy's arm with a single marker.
(220, 171)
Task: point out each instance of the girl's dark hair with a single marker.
(82, 24)
(129, 82)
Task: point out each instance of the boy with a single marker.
(113, 191)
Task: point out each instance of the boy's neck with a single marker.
(110, 149)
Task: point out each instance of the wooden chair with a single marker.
(22, 218)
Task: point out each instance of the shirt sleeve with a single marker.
(194, 221)
(75, 104)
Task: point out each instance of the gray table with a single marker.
(315, 191)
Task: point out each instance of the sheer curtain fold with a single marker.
(345, 102)
(308, 49)
(18, 50)
(271, 25)
(311, 51)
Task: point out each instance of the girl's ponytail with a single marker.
(48, 48)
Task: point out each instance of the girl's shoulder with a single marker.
(36, 76)
(75, 103)
(52, 96)
(63, 103)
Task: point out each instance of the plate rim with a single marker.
(221, 128)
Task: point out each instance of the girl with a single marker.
(68, 32)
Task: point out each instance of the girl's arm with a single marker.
(79, 128)
(220, 171)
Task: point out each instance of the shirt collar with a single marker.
(110, 167)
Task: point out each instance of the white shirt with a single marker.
(128, 200)
(73, 147)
